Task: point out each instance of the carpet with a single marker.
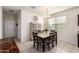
(8, 46)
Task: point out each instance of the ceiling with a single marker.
(37, 9)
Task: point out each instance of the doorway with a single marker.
(11, 24)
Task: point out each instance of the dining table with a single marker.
(43, 37)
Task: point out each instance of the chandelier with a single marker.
(46, 13)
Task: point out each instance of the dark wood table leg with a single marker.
(43, 46)
(56, 39)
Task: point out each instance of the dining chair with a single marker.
(52, 31)
(55, 35)
(36, 40)
(50, 40)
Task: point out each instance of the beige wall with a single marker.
(68, 31)
(1, 24)
(26, 19)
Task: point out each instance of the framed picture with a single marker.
(35, 18)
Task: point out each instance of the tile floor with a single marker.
(62, 47)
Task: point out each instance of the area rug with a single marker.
(7, 46)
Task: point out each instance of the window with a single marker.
(56, 21)
(61, 20)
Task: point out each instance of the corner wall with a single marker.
(68, 31)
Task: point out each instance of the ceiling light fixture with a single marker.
(46, 14)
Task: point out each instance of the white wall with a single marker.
(19, 25)
(68, 31)
(26, 19)
(1, 23)
(9, 21)
(41, 21)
